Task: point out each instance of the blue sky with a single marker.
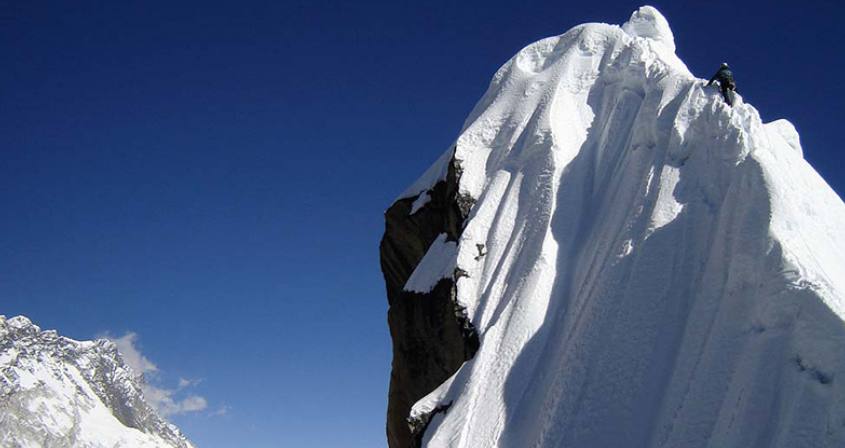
(211, 177)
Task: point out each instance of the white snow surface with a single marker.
(420, 201)
(437, 263)
(662, 270)
(60, 393)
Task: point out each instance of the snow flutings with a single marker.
(658, 269)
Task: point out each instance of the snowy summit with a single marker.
(611, 256)
(60, 393)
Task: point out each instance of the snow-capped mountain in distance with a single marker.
(60, 393)
(611, 256)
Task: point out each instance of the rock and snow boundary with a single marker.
(60, 393)
(660, 269)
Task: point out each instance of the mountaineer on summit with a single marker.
(726, 83)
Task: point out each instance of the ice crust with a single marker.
(662, 270)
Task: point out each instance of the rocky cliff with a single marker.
(432, 335)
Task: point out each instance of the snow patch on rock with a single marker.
(420, 201)
(437, 264)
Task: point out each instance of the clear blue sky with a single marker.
(213, 176)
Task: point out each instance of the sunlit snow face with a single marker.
(638, 232)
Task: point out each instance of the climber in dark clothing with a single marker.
(726, 83)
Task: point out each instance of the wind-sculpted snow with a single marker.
(660, 269)
(59, 393)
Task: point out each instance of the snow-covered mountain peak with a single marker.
(18, 324)
(648, 22)
(637, 263)
(59, 392)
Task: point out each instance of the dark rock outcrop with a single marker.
(431, 334)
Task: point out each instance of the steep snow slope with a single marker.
(645, 266)
(56, 392)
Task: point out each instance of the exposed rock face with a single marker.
(431, 334)
(57, 392)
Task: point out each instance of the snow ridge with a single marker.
(661, 269)
(59, 392)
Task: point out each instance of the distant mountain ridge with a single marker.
(60, 393)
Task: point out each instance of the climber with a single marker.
(726, 83)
